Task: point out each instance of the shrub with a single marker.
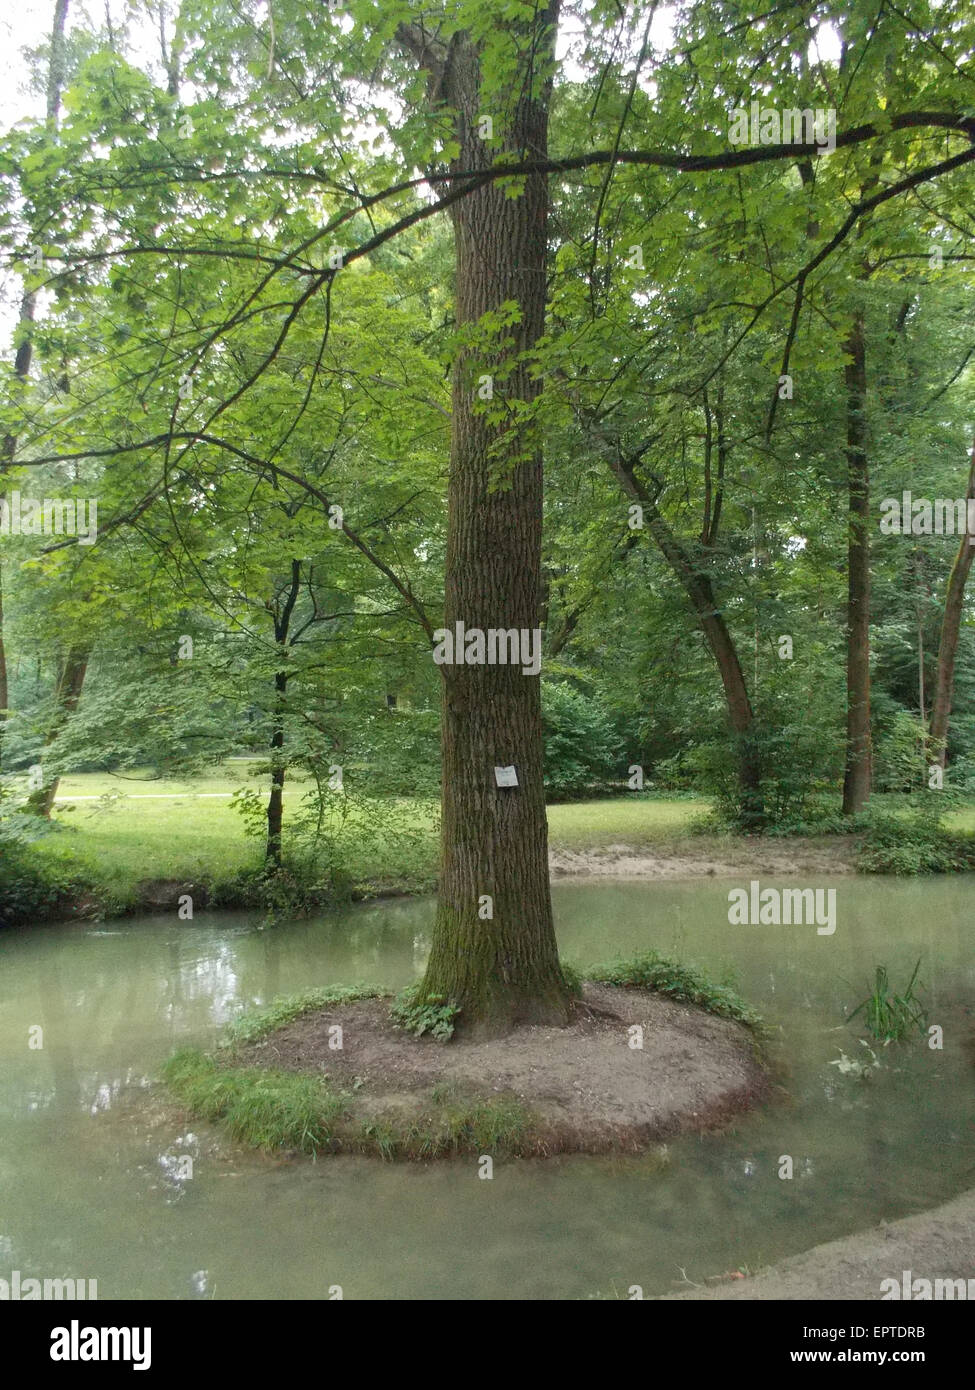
(34, 890)
(899, 758)
(914, 842)
(582, 748)
(798, 766)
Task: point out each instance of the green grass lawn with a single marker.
(962, 819)
(182, 835)
(128, 830)
(624, 820)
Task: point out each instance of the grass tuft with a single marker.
(291, 1110)
(681, 982)
(265, 1109)
(256, 1024)
(891, 1017)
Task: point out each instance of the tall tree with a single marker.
(28, 309)
(494, 952)
(950, 628)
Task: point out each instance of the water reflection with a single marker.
(98, 1178)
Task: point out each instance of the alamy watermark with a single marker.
(54, 516)
(497, 646)
(756, 906)
(18, 1289)
(926, 1290)
(77, 1343)
(766, 125)
(908, 515)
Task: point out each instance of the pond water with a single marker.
(90, 1186)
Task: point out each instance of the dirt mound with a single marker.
(588, 1087)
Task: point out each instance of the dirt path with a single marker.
(936, 1244)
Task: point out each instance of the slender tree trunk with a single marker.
(859, 753)
(22, 361)
(699, 590)
(4, 686)
(950, 628)
(275, 805)
(67, 694)
(28, 308)
(922, 591)
(494, 952)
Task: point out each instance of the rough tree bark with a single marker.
(950, 628)
(502, 969)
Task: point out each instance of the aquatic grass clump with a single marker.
(256, 1024)
(291, 1110)
(462, 1124)
(890, 1017)
(684, 983)
(454, 1124)
(265, 1109)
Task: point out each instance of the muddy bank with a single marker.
(586, 1087)
(692, 857)
(689, 858)
(936, 1244)
(711, 857)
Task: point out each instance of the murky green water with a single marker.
(88, 1183)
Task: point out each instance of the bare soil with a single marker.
(706, 856)
(588, 1090)
(937, 1244)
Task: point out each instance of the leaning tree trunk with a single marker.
(859, 754)
(698, 588)
(950, 628)
(494, 952)
(66, 696)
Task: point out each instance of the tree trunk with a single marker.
(950, 628)
(275, 802)
(66, 695)
(4, 687)
(281, 614)
(494, 952)
(859, 754)
(698, 588)
(28, 307)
